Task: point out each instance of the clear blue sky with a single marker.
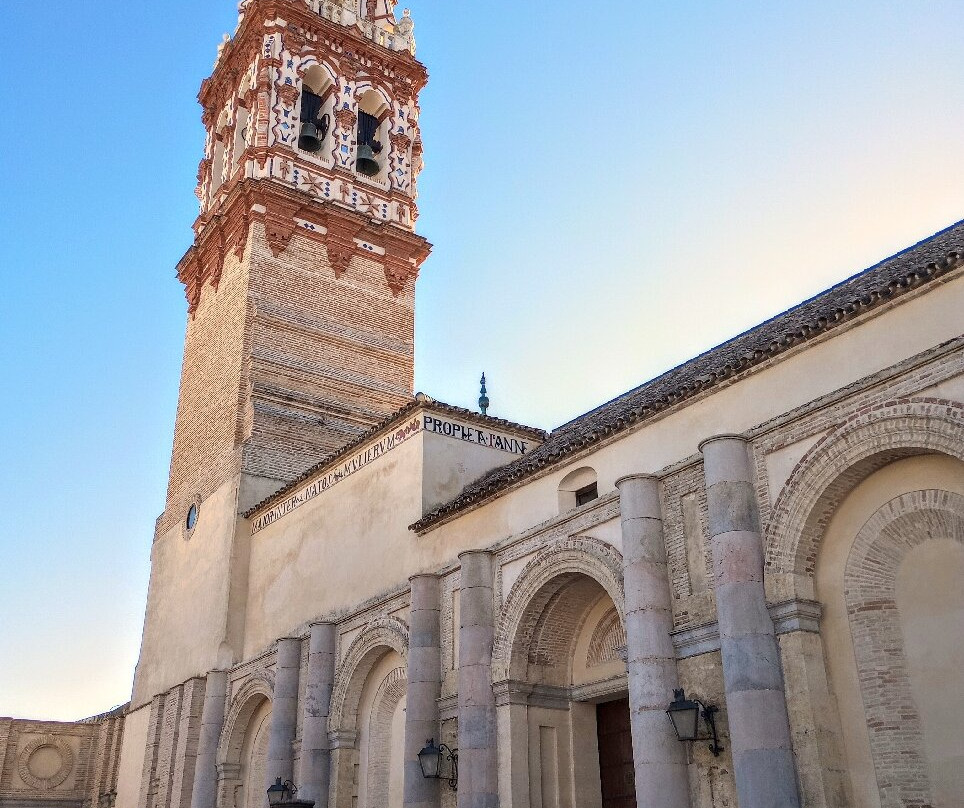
(610, 188)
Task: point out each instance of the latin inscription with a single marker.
(470, 434)
(428, 423)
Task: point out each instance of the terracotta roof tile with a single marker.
(910, 269)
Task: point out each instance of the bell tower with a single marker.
(300, 282)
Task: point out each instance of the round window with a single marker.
(191, 520)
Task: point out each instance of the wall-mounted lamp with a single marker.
(431, 759)
(284, 793)
(685, 714)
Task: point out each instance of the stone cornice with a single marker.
(280, 209)
(788, 616)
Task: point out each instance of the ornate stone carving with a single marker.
(339, 256)
(345, 118)
(288, 94)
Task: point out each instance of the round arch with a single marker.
(835, 465)
(250, 696)
(381, 635)
(562, 561)
(895, 530)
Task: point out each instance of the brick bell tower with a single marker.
(301, 280)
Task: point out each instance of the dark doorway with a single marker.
(616, 769)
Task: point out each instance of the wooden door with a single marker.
(616, 770)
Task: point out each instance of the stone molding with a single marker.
(870, 576)
(577, 555)
(788, 616)
(830, 469)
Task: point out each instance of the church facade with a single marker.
(737, 584)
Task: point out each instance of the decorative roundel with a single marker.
(45, 762)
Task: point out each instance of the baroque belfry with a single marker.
(736, 585)
(301, 280)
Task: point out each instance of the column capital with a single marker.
(431, 575)
(626, 478)
(728, 436)
(639, 497)
(726, 458)
(472, 553)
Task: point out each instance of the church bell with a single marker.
(308, 140)
(366, 163)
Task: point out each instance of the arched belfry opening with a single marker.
(315, 111)
(565, 693)
(372, 135)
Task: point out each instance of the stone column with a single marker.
(752, 675)
(424, 688)
(284, 712)
(314, 771)
(205, 791)
(478, 758)
(658, 756)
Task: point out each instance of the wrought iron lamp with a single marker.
(685, 714)
(431, 758)
(284, 793)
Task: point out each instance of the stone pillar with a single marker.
(478, 758)
(284, 712)
(314, 771)
(752, 675)
(658, 756)
(205, 791)
(424, 688)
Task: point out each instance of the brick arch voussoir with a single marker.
(870, 576)
(379, 637)
(843, 458)
(258, 688)
(561, 562)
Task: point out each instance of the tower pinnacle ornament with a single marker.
(483, 398)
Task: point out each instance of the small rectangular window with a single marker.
(587, 494)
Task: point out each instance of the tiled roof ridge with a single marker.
(886, 280)
(419, 400)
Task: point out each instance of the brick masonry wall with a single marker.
(329, 357)
(211, 394)
(88, 752)
(284, 364)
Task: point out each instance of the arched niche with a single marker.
(366, 723)
(880, 641)
(831, 469)
(243, 746)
